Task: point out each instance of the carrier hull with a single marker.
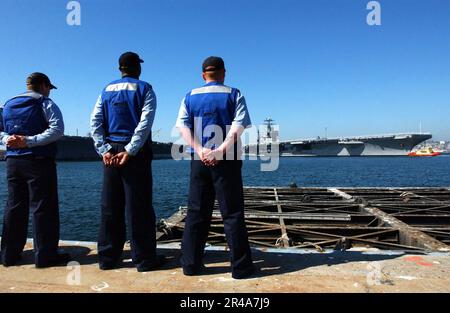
(383, 145)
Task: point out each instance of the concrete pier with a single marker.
(282, 271)
(362, 240)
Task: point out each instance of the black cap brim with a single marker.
(53, 86)
(211, 69)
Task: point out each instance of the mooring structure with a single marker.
(406, 219)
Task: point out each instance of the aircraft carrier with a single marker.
(82, 149)
(377, 145)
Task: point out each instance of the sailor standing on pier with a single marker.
(121, 128)
(215, 168)
(30, 125)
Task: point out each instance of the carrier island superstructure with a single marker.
(376, 145)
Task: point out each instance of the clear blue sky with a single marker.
(307, 64)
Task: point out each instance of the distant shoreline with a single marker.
(98, 159)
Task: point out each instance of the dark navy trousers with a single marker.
(224, 182)
(32, 186)
(127, 195)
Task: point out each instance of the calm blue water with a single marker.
(80, 183)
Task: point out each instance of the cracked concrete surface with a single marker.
(281, 271)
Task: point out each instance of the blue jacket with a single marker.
(122, 104)
(215, 104)
(24, 115)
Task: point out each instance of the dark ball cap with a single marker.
(129, 59)
(35, 79)
(212, 64)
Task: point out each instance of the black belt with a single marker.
(30, 157)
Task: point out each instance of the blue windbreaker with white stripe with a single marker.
(215, 104)
(122, 102)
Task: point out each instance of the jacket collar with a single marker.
(214, 83)
(30, 93)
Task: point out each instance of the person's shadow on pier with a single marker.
(76, 252)
(268, 263)
(277, 263)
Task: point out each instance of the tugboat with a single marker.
(425, 152)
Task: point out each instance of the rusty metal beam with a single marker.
(284, 235)
(409, 236)
(295, 215)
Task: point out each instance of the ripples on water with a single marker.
(80, 183)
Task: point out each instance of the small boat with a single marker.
(425, 152)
